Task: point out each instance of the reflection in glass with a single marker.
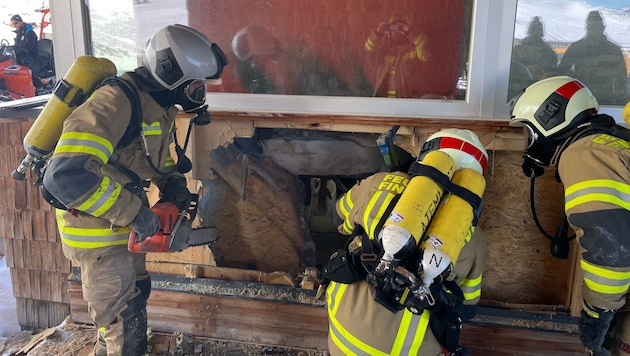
(404, 49)
(597, 62)
(595, 51)
(119, 29)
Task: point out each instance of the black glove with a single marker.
(593, 327)
(145, 224)
(176, 192)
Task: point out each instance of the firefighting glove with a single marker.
(145, 224)
(176, 192)
(593, 326)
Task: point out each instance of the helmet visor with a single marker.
(196, 91)
(530, 136)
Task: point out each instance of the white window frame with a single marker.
(491, 46)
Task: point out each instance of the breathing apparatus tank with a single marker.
(411, 215)
(451, 224)
(428, 223)
(83, 76)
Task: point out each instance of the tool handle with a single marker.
(156, 243)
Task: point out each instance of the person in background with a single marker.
(598, 63)
(534, 52)
(364, 321)
(100, 180)
(563, 129)
(25, 48)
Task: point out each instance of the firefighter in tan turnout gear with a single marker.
(99, 178)
(562, 127)
(376, 310)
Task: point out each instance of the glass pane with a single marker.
(587, 40)
(120, 28)
(404, 49)
(26, 50)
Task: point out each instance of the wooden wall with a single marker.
(31, 241)
(520, 272)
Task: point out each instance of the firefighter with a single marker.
(361, 324)
(97, 179)
(563, 129)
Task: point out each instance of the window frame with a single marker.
(492, 31)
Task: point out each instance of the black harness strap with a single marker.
(442, 179)
(135, 123)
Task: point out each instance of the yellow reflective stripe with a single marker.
(81, 142)
(375, 209)
(410, 333)
(603, 280)
(152, 129)
(103, 198)
(334, 294)
(345, 206)
(603, 190)
(169, 161)
(90, 238)
(409, 336)
(471, 288)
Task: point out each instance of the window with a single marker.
(587, 40)
(481, 70)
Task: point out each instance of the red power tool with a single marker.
(176, 232)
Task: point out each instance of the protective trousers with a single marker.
(116, 286)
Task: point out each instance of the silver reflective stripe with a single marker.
(605, 281)
(95, 238)
(104, 198)
(598, 190)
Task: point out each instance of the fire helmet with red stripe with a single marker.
(553, 105)
(462, 145)
(550, 110)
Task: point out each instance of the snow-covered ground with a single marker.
(567, 26)
(8, 315)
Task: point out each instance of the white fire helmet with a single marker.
(177, 54)
(462, 145)
(553, 105)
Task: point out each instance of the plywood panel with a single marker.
(520, 267)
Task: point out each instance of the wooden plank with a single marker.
(227, 317)
(37, 314)
(191, 255)
(250, 320)
(221, 273)
(512, 341)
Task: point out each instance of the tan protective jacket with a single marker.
(360, 325)
(595, 171)
(85, 172)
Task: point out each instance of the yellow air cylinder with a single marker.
(451, 222)
(625, 114)
(412, 213)
(84, 74)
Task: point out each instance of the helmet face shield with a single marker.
(539, 149)
(196, 91)
(530, 136)
(191, 95)
(221, 59)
